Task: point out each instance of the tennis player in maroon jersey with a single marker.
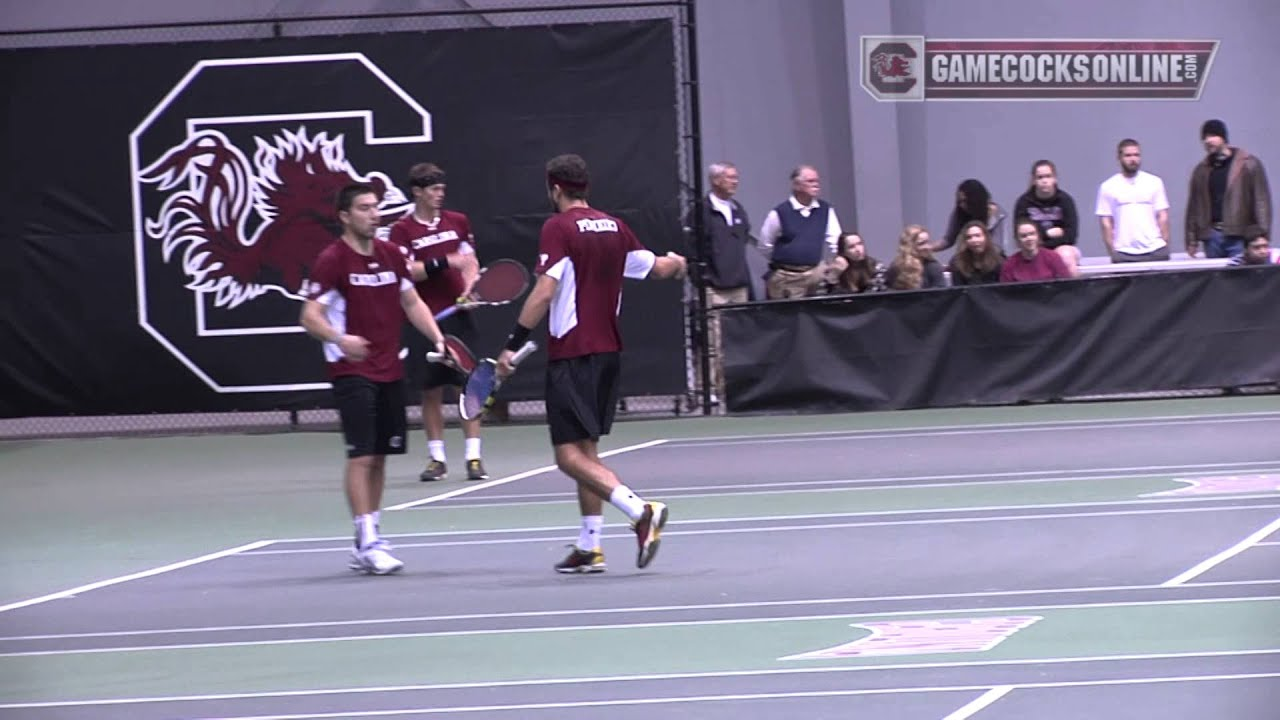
(444, 267)
(357, 298)
(583, 257)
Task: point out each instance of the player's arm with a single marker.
(535, 308)
(420, 316)
(469, 264)
(317, 325)
(421, 270)
(669, 266)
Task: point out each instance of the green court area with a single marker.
(166, 577)
(487, 657)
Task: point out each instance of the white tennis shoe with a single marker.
(375, 559)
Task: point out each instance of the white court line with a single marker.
(987, 478)
(1161, 419)
(552, 629)
(592, 680)
(945, 430)
(980, 702)
(1225, 555)
(536, 533)
(263, 543)
(635, 610)
(738, 697)
(135, 576)
(884, 488)
(1268, 543)
(511, 478)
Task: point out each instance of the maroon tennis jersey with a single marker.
(361, 295)
(450, 233)
(589, 253)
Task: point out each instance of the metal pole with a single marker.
(701, 253)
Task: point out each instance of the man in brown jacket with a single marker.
(1228, 200)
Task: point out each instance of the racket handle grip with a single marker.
(436, 357)
(525, 351)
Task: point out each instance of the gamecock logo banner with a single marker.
(168, 200)
(235, 200)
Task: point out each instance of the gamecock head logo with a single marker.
(234, 174)
(242, 228)
(890, 67)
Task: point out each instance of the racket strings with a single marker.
(501, 282)
(478, 388)
(466, 361)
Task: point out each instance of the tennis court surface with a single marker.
(1095, 560)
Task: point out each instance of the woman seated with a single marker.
(1031, 262)
(978, 260)
(973, 202)
(914, 268)
(855, 270)
(1054, 210)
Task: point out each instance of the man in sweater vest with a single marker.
(799, 237)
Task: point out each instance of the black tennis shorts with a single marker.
(582, 396)
(434, 375)
(372, 415)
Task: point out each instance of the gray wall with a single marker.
(905, 159)
(779, 87)
(997, 142)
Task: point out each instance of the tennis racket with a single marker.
(457, 355)
(483, 383)
(499, 283)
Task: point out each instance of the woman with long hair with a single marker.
(914, 268)
(973, 202)
(862, 273)
(978, 260)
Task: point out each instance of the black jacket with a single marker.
(724, 245)
(1056, 211)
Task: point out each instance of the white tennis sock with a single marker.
(366, 531)
(473, 448)
(589, 535)
(627, 501)
(436, 449)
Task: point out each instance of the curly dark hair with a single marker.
(570, 173)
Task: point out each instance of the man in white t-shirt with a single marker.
(1134, 210)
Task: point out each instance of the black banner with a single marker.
(163, 202)
(1003, 344)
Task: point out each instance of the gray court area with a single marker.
(1135, 592)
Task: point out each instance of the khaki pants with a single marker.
(715, 358)
(783, 283)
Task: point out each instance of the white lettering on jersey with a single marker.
(429, 240)
(373, 279)
(586, 225)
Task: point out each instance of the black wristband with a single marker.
(431, 267)
(516, 340)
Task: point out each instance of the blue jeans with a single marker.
(1221, 246)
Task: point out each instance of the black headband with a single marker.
(435, 178)
(564, 183)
